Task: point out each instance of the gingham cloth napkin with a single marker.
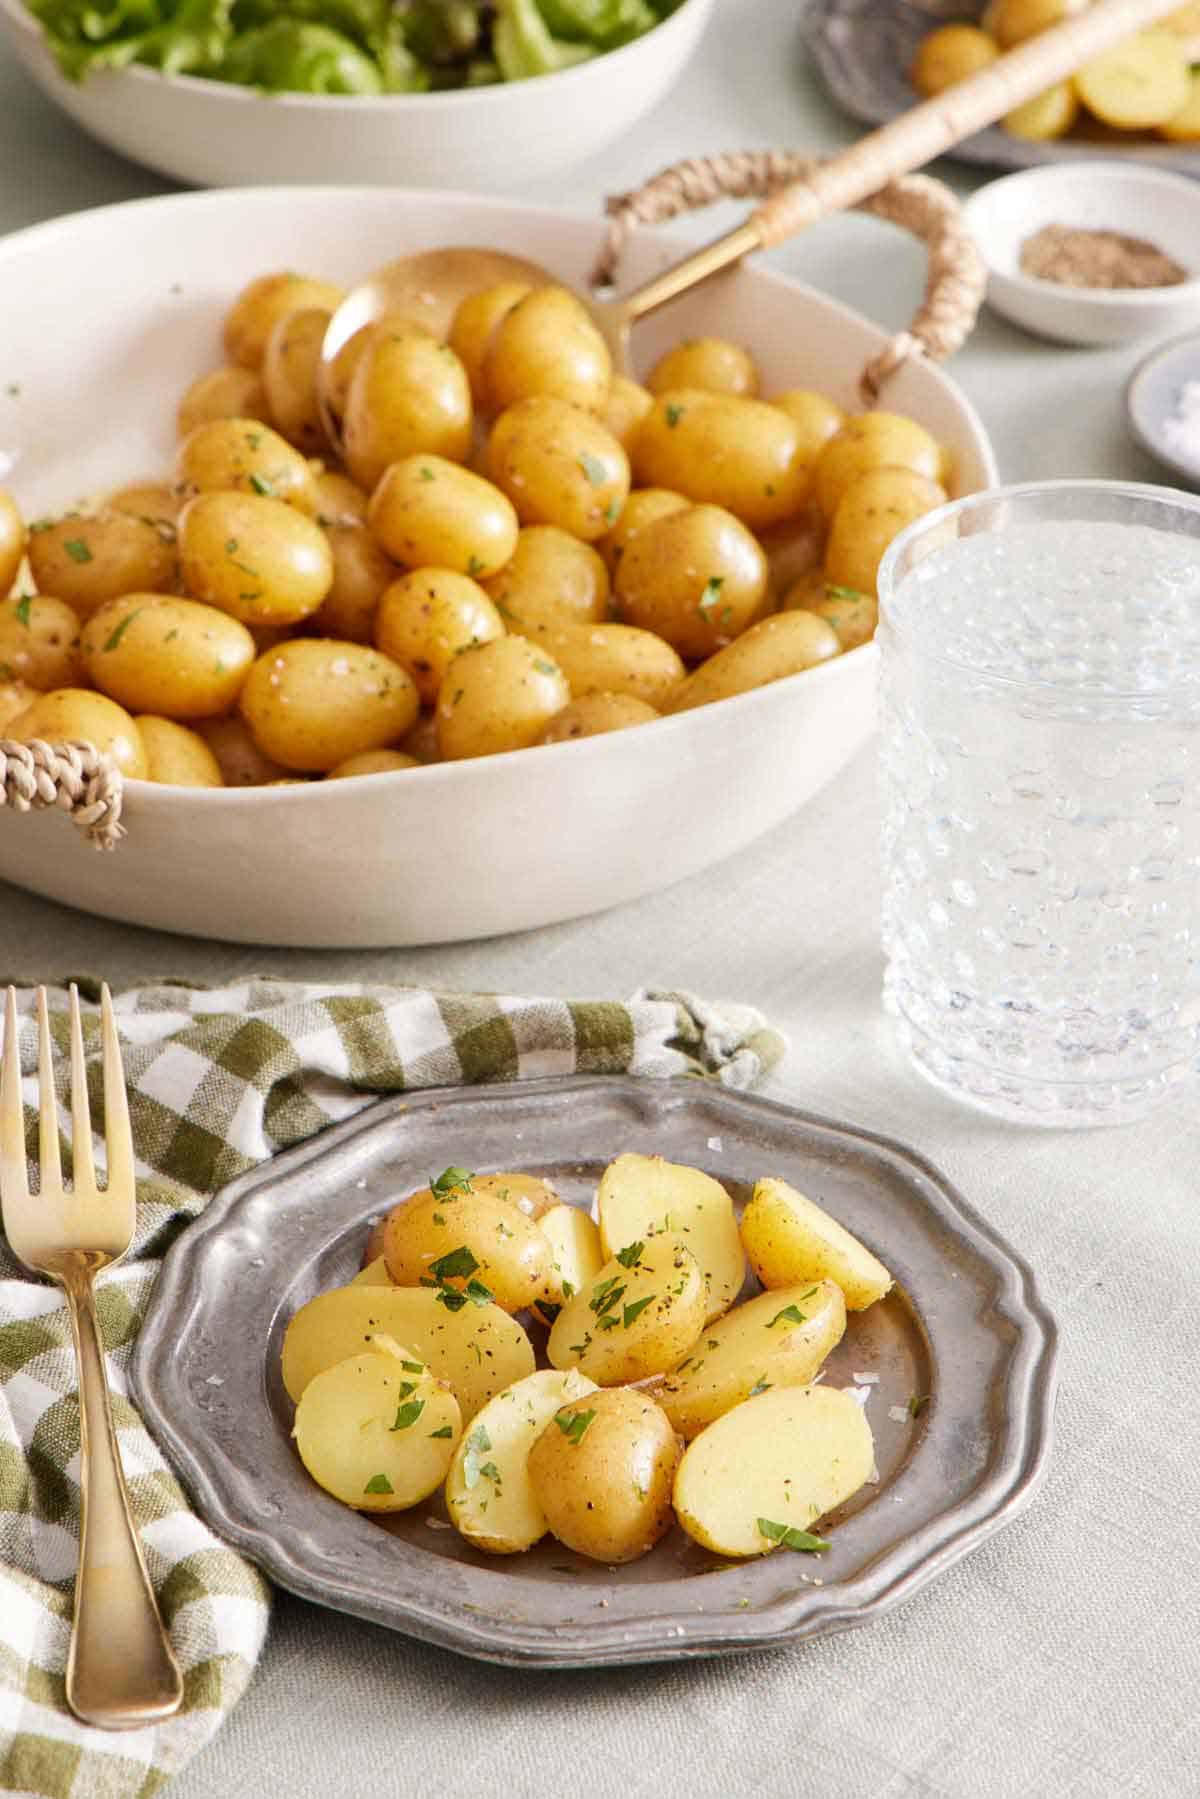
(219, 1080)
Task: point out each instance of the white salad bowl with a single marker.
(213, 134)
(459, 850)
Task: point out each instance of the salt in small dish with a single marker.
(1162, 401)
(1150, 203)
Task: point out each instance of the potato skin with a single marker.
(871, 512)
(176, 756)
(473, 327)
(639, 1316)
(227, 393)
(87, 559)
(711, 363)
(498, 696)
(498, 1510)
(291, 365)
(871, 440)
(312, 702)
(559, 466)
(256, 558)
(604, 1481)
(723, 450)
(547, 344)
(510, 1255)
(12, 540)
(789, 1238)
(262, 303)
(627, 405)
(409, 394)
(245, 456)
(696, 578)
(361, 574)
(372, 762)
(74, 714)
(615, 659)
(428, 512)
(15, 698)
(551, 578)
(427, 617)
(644, 505)
(596, 714)
(174, 658)
(241, 762)
(778, 646)
(39, 642)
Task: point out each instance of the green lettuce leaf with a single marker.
(295, 56)
(523, 44)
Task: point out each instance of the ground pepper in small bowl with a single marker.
(1076, 256)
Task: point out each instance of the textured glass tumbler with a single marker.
(1040, 738)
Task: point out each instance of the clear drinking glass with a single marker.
(1041, 783)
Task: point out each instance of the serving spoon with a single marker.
(429, 285)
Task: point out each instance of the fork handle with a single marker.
(121, 1672)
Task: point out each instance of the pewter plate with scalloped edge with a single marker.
(864, 50)
(958, 1364)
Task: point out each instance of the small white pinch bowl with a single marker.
(457, 850)
(1154, 396)
(213, 134)
(1111, 196)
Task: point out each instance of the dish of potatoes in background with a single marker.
(520, 549)
(597, 1379)
(1149, 85)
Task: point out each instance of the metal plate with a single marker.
(864, 49)
(964, 1327)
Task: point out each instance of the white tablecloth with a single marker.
(1063, 1659)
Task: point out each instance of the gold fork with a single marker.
(121, 1673)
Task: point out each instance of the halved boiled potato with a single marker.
(641, 1196)
(602, 1471)
(468, 1239)
(578, 1258)
(478, 1349)
(1141, 82)
(529, 1193)
(373, 1274)
(376, 1430)
(489, 1495)
(639, 1316)
(778, 1340)
(774, 1465)
(789, 1238)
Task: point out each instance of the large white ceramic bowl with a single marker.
(103, 319)
(216, 135)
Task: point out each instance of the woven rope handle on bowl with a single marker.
(77, 778)
(956, 276)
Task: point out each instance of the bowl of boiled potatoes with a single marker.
(540, 640)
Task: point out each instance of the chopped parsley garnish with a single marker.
(608, 1322)
(544, 668)
(548, 1310)
(446, 1431)
(475, 566)
(790, 1314)
(474, 1293)
(116, 636)
(574, 1425)
(489, 1471)
(788, 1537)
(833, 592)
(582, 1348)
(593, 468)
(77, 550)
(673, 415)
(413, 1367)
(427, 474)
(379, 1483)
(760, 1386)
(452, 1180)
(568, 1289)
(712, 592)
(261, 485)
(629, 1255)
(22, 608)
(479, 1444)
(635, 1309)
(612, 512)
(456, 1262)
(407, 1415)
(917, 1403)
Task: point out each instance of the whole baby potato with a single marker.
(853, 615)
(420, 741)
(409, 394)
(774, 648)
(627, 405)
(724, 450)
(158, 502)
(595, 714)
(870, 513)
(340, 501)
(603, 1471)
(871, 440)
(372, 762)
(312, 702)
(711, 363)
(465, 1235)
(12, 540)
(643, 506)
(793, 549)
(815, 415)
(228, 393)
(429, 512)
(361, 573)
(259, 306)
(258, 559)
(87, 559)
(15, 698)
(498, 696)
(1010, 22)
(340, 372)
(39, 642)
(245, 456)
(559, 466)
(427, 617)
(547, 344)
(551, 578)
(174, 658)
(175, 756)
(75, 715)
(291, 365)
(615, 659)
(1049, 115)
(241, 762)
(473, 327)
(950, 54)
(695, 578)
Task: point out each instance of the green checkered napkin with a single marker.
(219, 1080)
